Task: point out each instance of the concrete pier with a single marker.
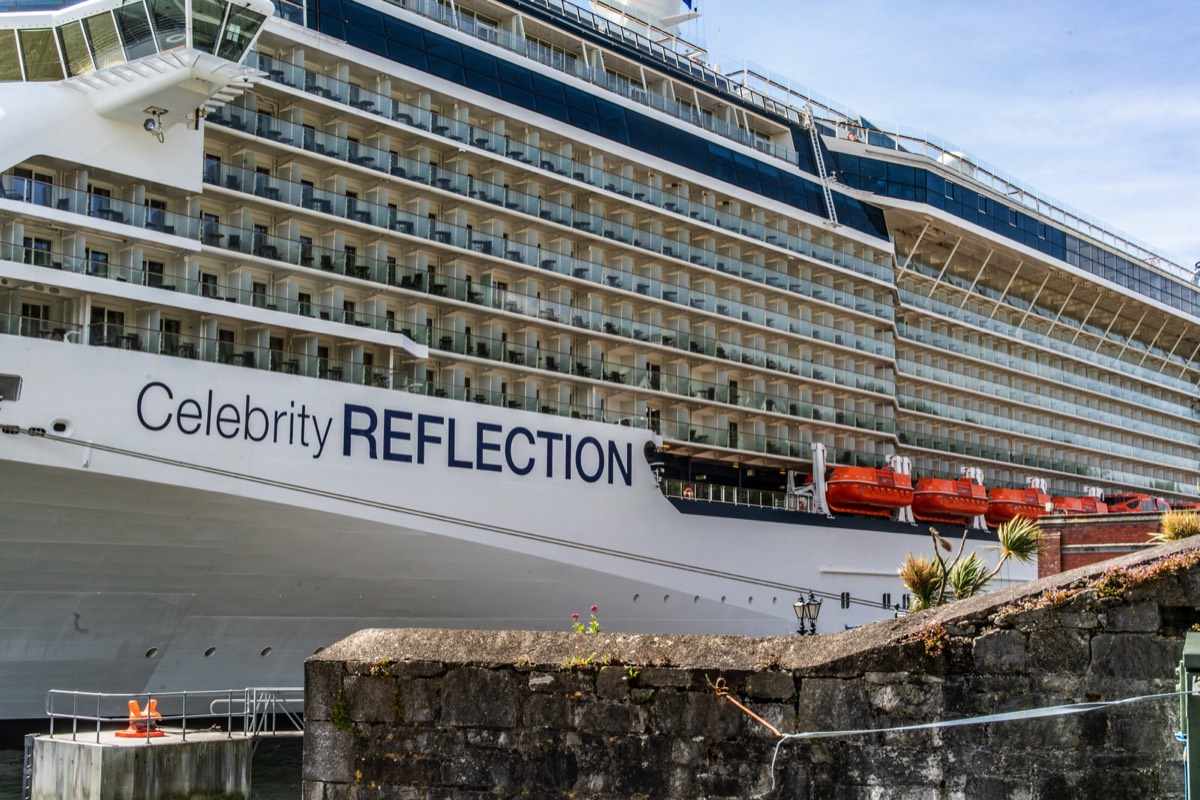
(208, 766)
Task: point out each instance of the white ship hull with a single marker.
(138, 559)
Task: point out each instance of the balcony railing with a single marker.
(522, 152)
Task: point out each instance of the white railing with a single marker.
(256, 711)
(732, 495)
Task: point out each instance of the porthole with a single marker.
(266, 651)
(62, 427)
(695, 599)
(774, 600)
(722, 598)
(635, 597)
(210, 652)
(750, 600)
(152, 652)
(666, 597)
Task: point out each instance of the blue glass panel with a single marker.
(550, 98)
(612, 121)
(364, 28)
(479, 63)
(483, 82)
(900, 173)
(580, 102)
(333, 26)
(406, 44)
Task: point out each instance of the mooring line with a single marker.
(1008, 716)
(721, 689)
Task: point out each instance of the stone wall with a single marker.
(1078, 541)
(466, 714)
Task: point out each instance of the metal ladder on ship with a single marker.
(27, 768)
(811, 126)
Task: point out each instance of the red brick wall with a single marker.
(1069, 542)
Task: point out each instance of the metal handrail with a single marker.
(260, 709)
(732, 495)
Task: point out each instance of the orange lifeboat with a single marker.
(868, 491)
(948, 500)
(1008, 504)
(1135, 503)
(1078, 505)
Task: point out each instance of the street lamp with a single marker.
(807, 610)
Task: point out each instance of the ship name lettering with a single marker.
(405, 437)
(157, 410)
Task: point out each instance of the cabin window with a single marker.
(34, 318)
(37, 251)
(208, 284)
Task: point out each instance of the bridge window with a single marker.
(40, 54)
(102, 36)
(10, 63)
(74, 46)
(135, 31)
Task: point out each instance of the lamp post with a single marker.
(807, 610)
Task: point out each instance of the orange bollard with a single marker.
(142, 724)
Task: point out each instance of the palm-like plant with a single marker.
(1019, 538)
(929, 580)
(968, 576)
(923, 579)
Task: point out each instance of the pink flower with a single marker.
(574, 616)
(595, 609)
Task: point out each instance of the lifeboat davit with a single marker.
(948, 500)
(1078, 505)
(867, 490)
(1008, 504)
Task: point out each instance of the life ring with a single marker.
(851, 137)
(688, 494)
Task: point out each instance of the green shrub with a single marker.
(1176, 525)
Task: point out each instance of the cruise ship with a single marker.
(476, 313)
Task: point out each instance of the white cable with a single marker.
(1008, 716)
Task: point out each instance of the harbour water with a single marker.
(276, 771)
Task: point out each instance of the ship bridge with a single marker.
(156, 64)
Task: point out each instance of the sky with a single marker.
(1095, 104)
